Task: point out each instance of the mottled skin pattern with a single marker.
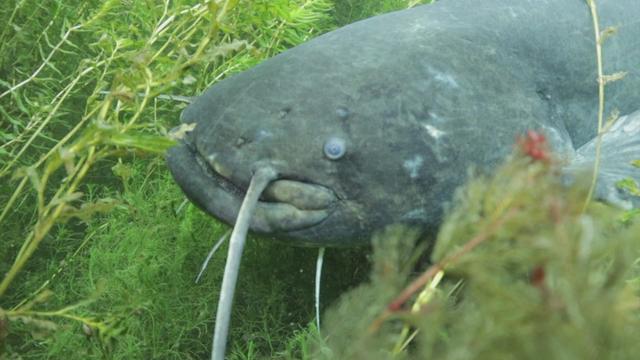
(419, 96)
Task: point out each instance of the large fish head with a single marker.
(349, 159)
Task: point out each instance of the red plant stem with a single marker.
(421, 281)
(396, 305)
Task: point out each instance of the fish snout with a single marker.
(217, 186)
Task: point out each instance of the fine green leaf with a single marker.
(629, 185)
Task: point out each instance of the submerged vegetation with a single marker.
(99, 249)
(528, 275)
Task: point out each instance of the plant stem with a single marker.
(601, 84)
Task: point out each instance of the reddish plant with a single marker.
(537, 276)
(534, 144)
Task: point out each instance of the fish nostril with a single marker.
(284, 112)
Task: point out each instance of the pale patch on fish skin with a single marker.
(447, 79)
(443, 78)
(440, 141)
(413, 165)
(263, 134)
(560, 142)
(433, 131)
(415, 214)
(434, 116)
(417, 26)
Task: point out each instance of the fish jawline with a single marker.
(203, 187)
(259, 182)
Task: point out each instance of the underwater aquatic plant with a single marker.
(81, 98)
(528, 275)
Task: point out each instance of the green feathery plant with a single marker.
(82, 88)
(529, 274)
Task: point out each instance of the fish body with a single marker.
(417, 97)
(378, 122)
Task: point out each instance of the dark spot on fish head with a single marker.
(543, 94)
(241, 141)
(284, 112)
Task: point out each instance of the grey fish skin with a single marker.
(418, 96)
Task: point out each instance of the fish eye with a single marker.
(334, 148)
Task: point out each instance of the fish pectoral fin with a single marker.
(619, 165)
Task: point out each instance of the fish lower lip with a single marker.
(286, 205)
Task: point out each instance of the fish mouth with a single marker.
(285, 205)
